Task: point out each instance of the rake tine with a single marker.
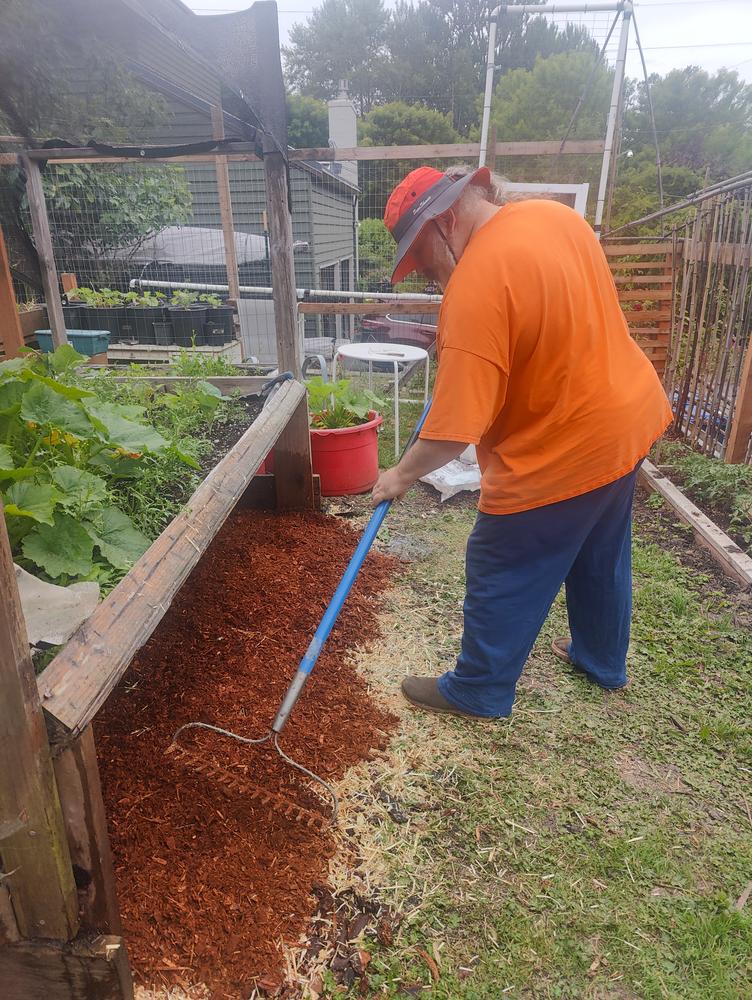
(231, 782)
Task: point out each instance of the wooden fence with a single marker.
(645, 274)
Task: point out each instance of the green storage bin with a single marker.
(88, 342)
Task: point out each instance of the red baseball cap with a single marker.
(425, 194)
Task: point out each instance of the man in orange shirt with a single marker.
(536, 369)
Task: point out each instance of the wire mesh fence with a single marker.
(713, 322)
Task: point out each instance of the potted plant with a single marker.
(101, 309)
(187, 316)
(344, 436)
(143, 311)
(219, 327)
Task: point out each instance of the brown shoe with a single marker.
(423, 692)
(561, 646)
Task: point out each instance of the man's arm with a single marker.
(422, 458)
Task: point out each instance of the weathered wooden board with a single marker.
(84, 969)
(36, 865)
(724, 550)
(77, 682)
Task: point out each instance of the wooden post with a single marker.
(77, 776)
(282, 261)
(741, 423)
(293, 473)
(43, 244)
(225, 206)
(36, 862)
(11, 334)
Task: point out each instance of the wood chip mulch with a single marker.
(210, 883)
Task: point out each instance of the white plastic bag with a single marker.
(455, 476)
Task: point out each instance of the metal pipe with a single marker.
(617, 92)
(488, 95)
(302, 293)
(559, 8)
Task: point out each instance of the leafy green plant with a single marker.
(339, 404)
(64, 448)
(183, 300)
(189, 363)
(721, 486)
(210, 300)
(150, 299)
(103, 298)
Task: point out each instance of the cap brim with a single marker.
(405, 262)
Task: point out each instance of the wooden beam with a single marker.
(643, 279)
(85, 969)
(11, 334)
(635, 249)
(647, 295)
(741, 423)
(293, 475)
(463, 150)
(246, 151)
(43, 244)
(77, 777)
(225, 205)
(284, 293)
(367, 308)
(724, 550)
(79, 679)
(36, 864)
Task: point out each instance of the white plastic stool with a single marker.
(388, 353)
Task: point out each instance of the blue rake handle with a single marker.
(340, 595)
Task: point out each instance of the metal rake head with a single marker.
(232, 784)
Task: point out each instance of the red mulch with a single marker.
(211, 883)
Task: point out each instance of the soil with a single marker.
(211, 882)
(225, 435)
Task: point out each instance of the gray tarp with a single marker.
(192, 245)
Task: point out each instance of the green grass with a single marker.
(592, 846)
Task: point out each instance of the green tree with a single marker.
(704, 121)
(375, 254)
(396, 124)
(307, 122)
(401, 124)
(341, 40)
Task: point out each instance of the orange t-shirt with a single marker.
(536, 364)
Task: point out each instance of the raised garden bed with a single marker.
(210, 882)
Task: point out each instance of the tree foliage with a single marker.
(307, 122)
(401, 124)
(91, 207)
(342, 40)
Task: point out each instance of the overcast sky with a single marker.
(708, 33)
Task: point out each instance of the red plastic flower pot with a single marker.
(346, 458)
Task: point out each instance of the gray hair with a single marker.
(497, 193)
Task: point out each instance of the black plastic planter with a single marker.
(163, 334)
(99, 318)
(219, 326)
(140, 322)
(72, 317)
(188, 325)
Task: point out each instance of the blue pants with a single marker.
(516, 564)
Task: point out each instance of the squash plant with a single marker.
(61, 449)
(339, 404)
